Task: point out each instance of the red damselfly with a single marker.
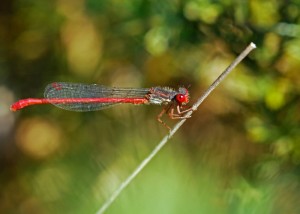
(92, 97)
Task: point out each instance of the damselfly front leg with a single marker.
(179, 114)
(170, 110)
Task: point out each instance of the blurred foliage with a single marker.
(239, 153)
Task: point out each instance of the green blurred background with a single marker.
(239, 153)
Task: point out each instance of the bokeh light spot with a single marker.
(38, 138)
(31, 44)
(6, 117)
(156, 40)
(201, 10)
(83, 46)
(256, 129)
(264, 13)
(277, 94)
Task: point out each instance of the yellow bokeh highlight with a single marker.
(156, 40)
(269, 49)
(83, 45)
(201, 10)
(38, 138)
(283, 146)
(256, 129)
(276, 96)
(289, 62)
(31, 44)
(264, 13)
(80, 37)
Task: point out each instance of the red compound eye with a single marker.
(181, 98)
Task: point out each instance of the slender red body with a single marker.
(37, 101)
(84, 97)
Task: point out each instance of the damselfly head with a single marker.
(183, 96)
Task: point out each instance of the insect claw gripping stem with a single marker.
(170, 111)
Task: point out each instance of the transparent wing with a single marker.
(69, 91)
